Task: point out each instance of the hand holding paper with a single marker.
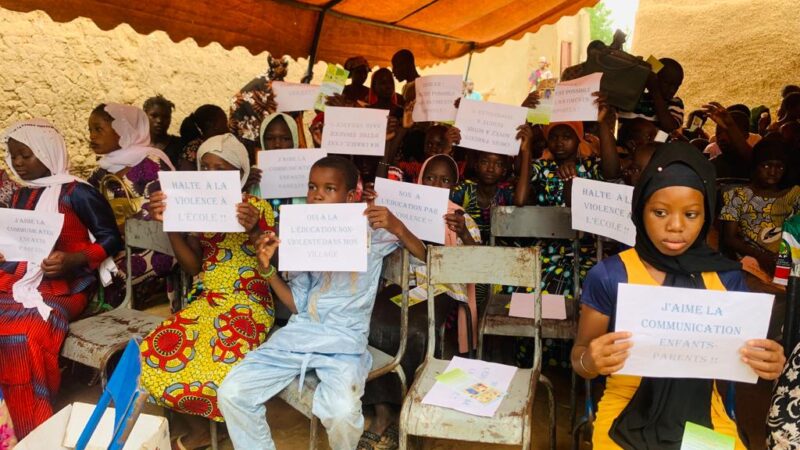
(573, 99)
(695, 333)
(490, 127)
(201, 201)
(266, 245)
(607, 354)
(765, 357)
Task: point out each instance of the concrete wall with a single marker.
(61, 71)
(732, 51)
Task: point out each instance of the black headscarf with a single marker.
(656, 415)
(699, 257)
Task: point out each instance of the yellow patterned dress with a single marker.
(186, 358)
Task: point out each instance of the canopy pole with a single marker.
(312, 54)
(469, 61)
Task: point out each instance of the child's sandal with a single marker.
(390, 439)
(368, 441)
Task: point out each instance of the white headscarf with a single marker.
(48, 146)
(133, 128)
(227, 147)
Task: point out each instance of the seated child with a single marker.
(231, 311)
(127, 174)
(205, 122)
(673, 205)
(659, 103)
(439, 171)
(489, 189)
(327, 333)
(637, 137)
(439, 140)
(38, 299)
(549, 183)
(783, 417)
(753, 215)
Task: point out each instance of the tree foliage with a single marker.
(600, 23)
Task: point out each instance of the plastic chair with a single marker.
(128, 398)
(395, 270)
(512, 424)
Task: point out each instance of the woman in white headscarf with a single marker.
(127, 175)
(230, 313)
(39, 298)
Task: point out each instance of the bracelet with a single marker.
(381, 163)
(580, 360)
(269, 273)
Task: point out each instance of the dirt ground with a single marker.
(290, 429)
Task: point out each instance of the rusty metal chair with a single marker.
(512, 424)
(395, 270)
(92, 341)
(537, 222)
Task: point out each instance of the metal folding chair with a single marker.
(92, 341)
(537, 222)
(395, 270)
(512, 424)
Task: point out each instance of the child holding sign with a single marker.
(327, 333)
(549, 183)
(232, 298)
(673, 207)
(438, 171)
(279, 132)
(38, 299)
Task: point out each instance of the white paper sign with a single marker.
(354, 131)
(295, 96)
(436, 98)
(421, 208)
(690, 333)
(323, 238)
(497, 376)
(573, 100)
(285, 172)
(603, 209)
(28, 235)
(201, 201)
(524, 305)
(490, 127)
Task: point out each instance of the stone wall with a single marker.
(733, 51)
(62, 71)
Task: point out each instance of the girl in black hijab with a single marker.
(673, 207)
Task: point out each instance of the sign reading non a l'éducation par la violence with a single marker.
(201, 201)
(436, 98)
(573, 100)
(490, 127)
(690, 333)
(295, 96)
(28, 235)
(323, 238)
(355, 131)
(285, 172)
(421, 208)
(603, 209)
